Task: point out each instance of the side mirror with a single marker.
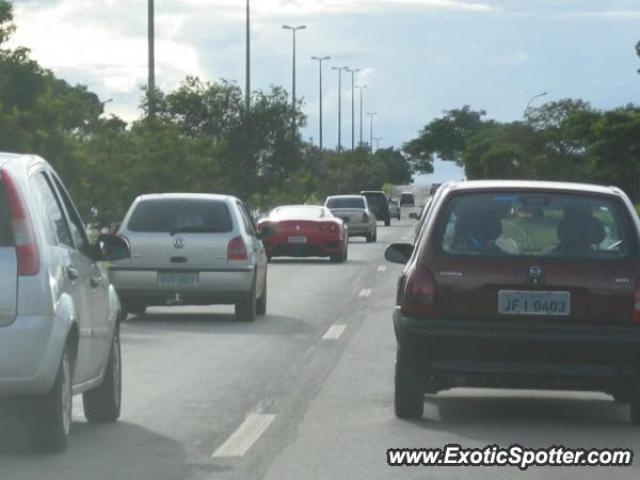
(399, 253)
(112, 247)
(413, 215)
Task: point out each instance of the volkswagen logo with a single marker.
(297, 228)
(179, 243)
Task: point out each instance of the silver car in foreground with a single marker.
(58, 312)
(354, 211)
(192, 249)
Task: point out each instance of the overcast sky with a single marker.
(418, 57)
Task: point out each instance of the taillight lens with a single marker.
(635, 316)
(24, 238)
(419, 293)
(328, 227)
(237, 250)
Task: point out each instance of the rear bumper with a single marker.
(213, 287)
(356, 229)
(521, 355)
(30, 352)
(314, 248)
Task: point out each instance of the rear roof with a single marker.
(345, 196)
(473, 185)
(187, 196)
(11, 158)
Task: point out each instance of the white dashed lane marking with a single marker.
(245, 436)
(334, 332)
(365, 292)
(382, 268)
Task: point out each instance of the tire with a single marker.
(50, 422)
(370, 238)
(261, 303)
(133, 308)
(337, 258)
(102, 404)
(634, 406)
(387, 222)
(409, 396)
(246, 308)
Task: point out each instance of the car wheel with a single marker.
(50, 422)
(133, 308)
(102, 404)
(409, 396)
(261, 303)
(336, 258)
(370, 237)
(634, 406)
(387, 222)
(246, 308)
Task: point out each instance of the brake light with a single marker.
(419, 293)
(635, 316)
(328, 227)
(24, 237)
(365, 217)
(237, 250)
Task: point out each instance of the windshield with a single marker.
(376, 199)
(536, 224)
(180, 216)
(345, 202)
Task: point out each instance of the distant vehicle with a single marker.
(354, 212)
(432, 200)
(58, 312)
(379, 205)
(518, 284)
(305, 231)
(192, 249)
(394, 209)
(407, 199)
(434, 188)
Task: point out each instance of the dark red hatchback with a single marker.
(517, 284)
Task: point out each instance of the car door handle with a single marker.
(73, 274)
(95, 281)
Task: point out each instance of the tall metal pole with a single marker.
(353, 107)
(361, 87)
(151, 82)
(320, 60)
(248, 66)
(526, 110)
(339, 70)
(293, 88)
(371, 115)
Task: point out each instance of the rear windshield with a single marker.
(6, 232)
(181, 216)
(536, 224)
(345, 202)
(406, 197)
(299, 213)
(376, 198)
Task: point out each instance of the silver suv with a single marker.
(192, 249)
(58, 312)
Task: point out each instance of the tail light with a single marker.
(365, 217)
(237, 250)
(24, 237)
(417, 298)
(635, 316)
(328, 227)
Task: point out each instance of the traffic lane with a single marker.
(192, 375)
(350, 425)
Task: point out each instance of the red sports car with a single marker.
(304, 231)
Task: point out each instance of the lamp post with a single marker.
(320, 60)
(526, 110)
(151, 82)
(353, 106)
(248, 66)
(339, 70)
(361, 88)
(293, 31)
(377, 139)
(371, 115)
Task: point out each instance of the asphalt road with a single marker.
(304, 393)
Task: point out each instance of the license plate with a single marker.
(171, 279)
(297, 240)
(513, 302)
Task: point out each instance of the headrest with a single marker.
(580, 230)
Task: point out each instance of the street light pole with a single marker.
(320, 60)
(371, 115)
(377, 139)
(361, 88)
(248, 73)
(353, 107)
(293, 31)
(339, 70)
(526, 110)
(151, 82)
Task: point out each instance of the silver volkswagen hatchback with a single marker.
(58, 312)
(192, 249)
